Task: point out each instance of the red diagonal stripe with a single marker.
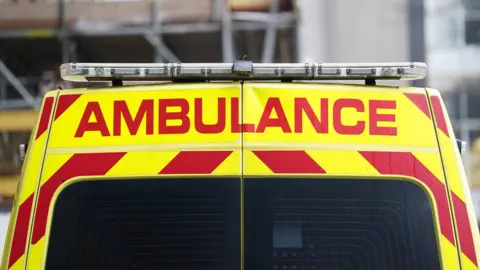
(420, 100)
(21, 231)
(64, 102)
(44, 116)
(195, 162)
(438, 113)
(289, 161)
(85, 164)
(463, 226)
(402, 163)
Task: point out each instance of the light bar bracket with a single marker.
(242, 70)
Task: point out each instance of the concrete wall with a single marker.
(451, 61)
(368, 31)
(447, 55)
(354, 31)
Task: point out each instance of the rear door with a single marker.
(144, 177)
(343, 177)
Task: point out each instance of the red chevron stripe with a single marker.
(20, 232)
(438, 113)
(195, 162)
(64, 102)
(420, 100)
(402, 163)
(289, 161)
(463, 227)
(85, 164)
(44, 117)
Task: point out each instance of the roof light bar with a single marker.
(242, 70)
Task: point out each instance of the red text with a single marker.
(346, 116)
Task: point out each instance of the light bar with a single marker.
(242, 70)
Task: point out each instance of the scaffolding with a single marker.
(39, 35)
(162, 18)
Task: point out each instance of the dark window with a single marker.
(303, 224)
(190, 224)
(174, 224)
(472, 32)
(472, 4)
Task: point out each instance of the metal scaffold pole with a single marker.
(227, 34)
(271, 33)
(154, 37)
(13, 80)
(68, 47)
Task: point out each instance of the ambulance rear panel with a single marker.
(281, 176)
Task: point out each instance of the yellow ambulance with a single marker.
(243, 166)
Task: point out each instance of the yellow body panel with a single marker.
(26, 195)
(234, 129)
(63, 135)
(356, 104)
(462, 204)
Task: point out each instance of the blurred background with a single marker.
(36, 36)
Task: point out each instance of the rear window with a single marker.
(338, 224)
(174, 224)
(288, 223)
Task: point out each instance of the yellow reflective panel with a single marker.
(323, 116)
(167, 116)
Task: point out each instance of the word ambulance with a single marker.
(158, 114)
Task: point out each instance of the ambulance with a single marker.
(248, 166)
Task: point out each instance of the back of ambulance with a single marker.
(243, 175)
